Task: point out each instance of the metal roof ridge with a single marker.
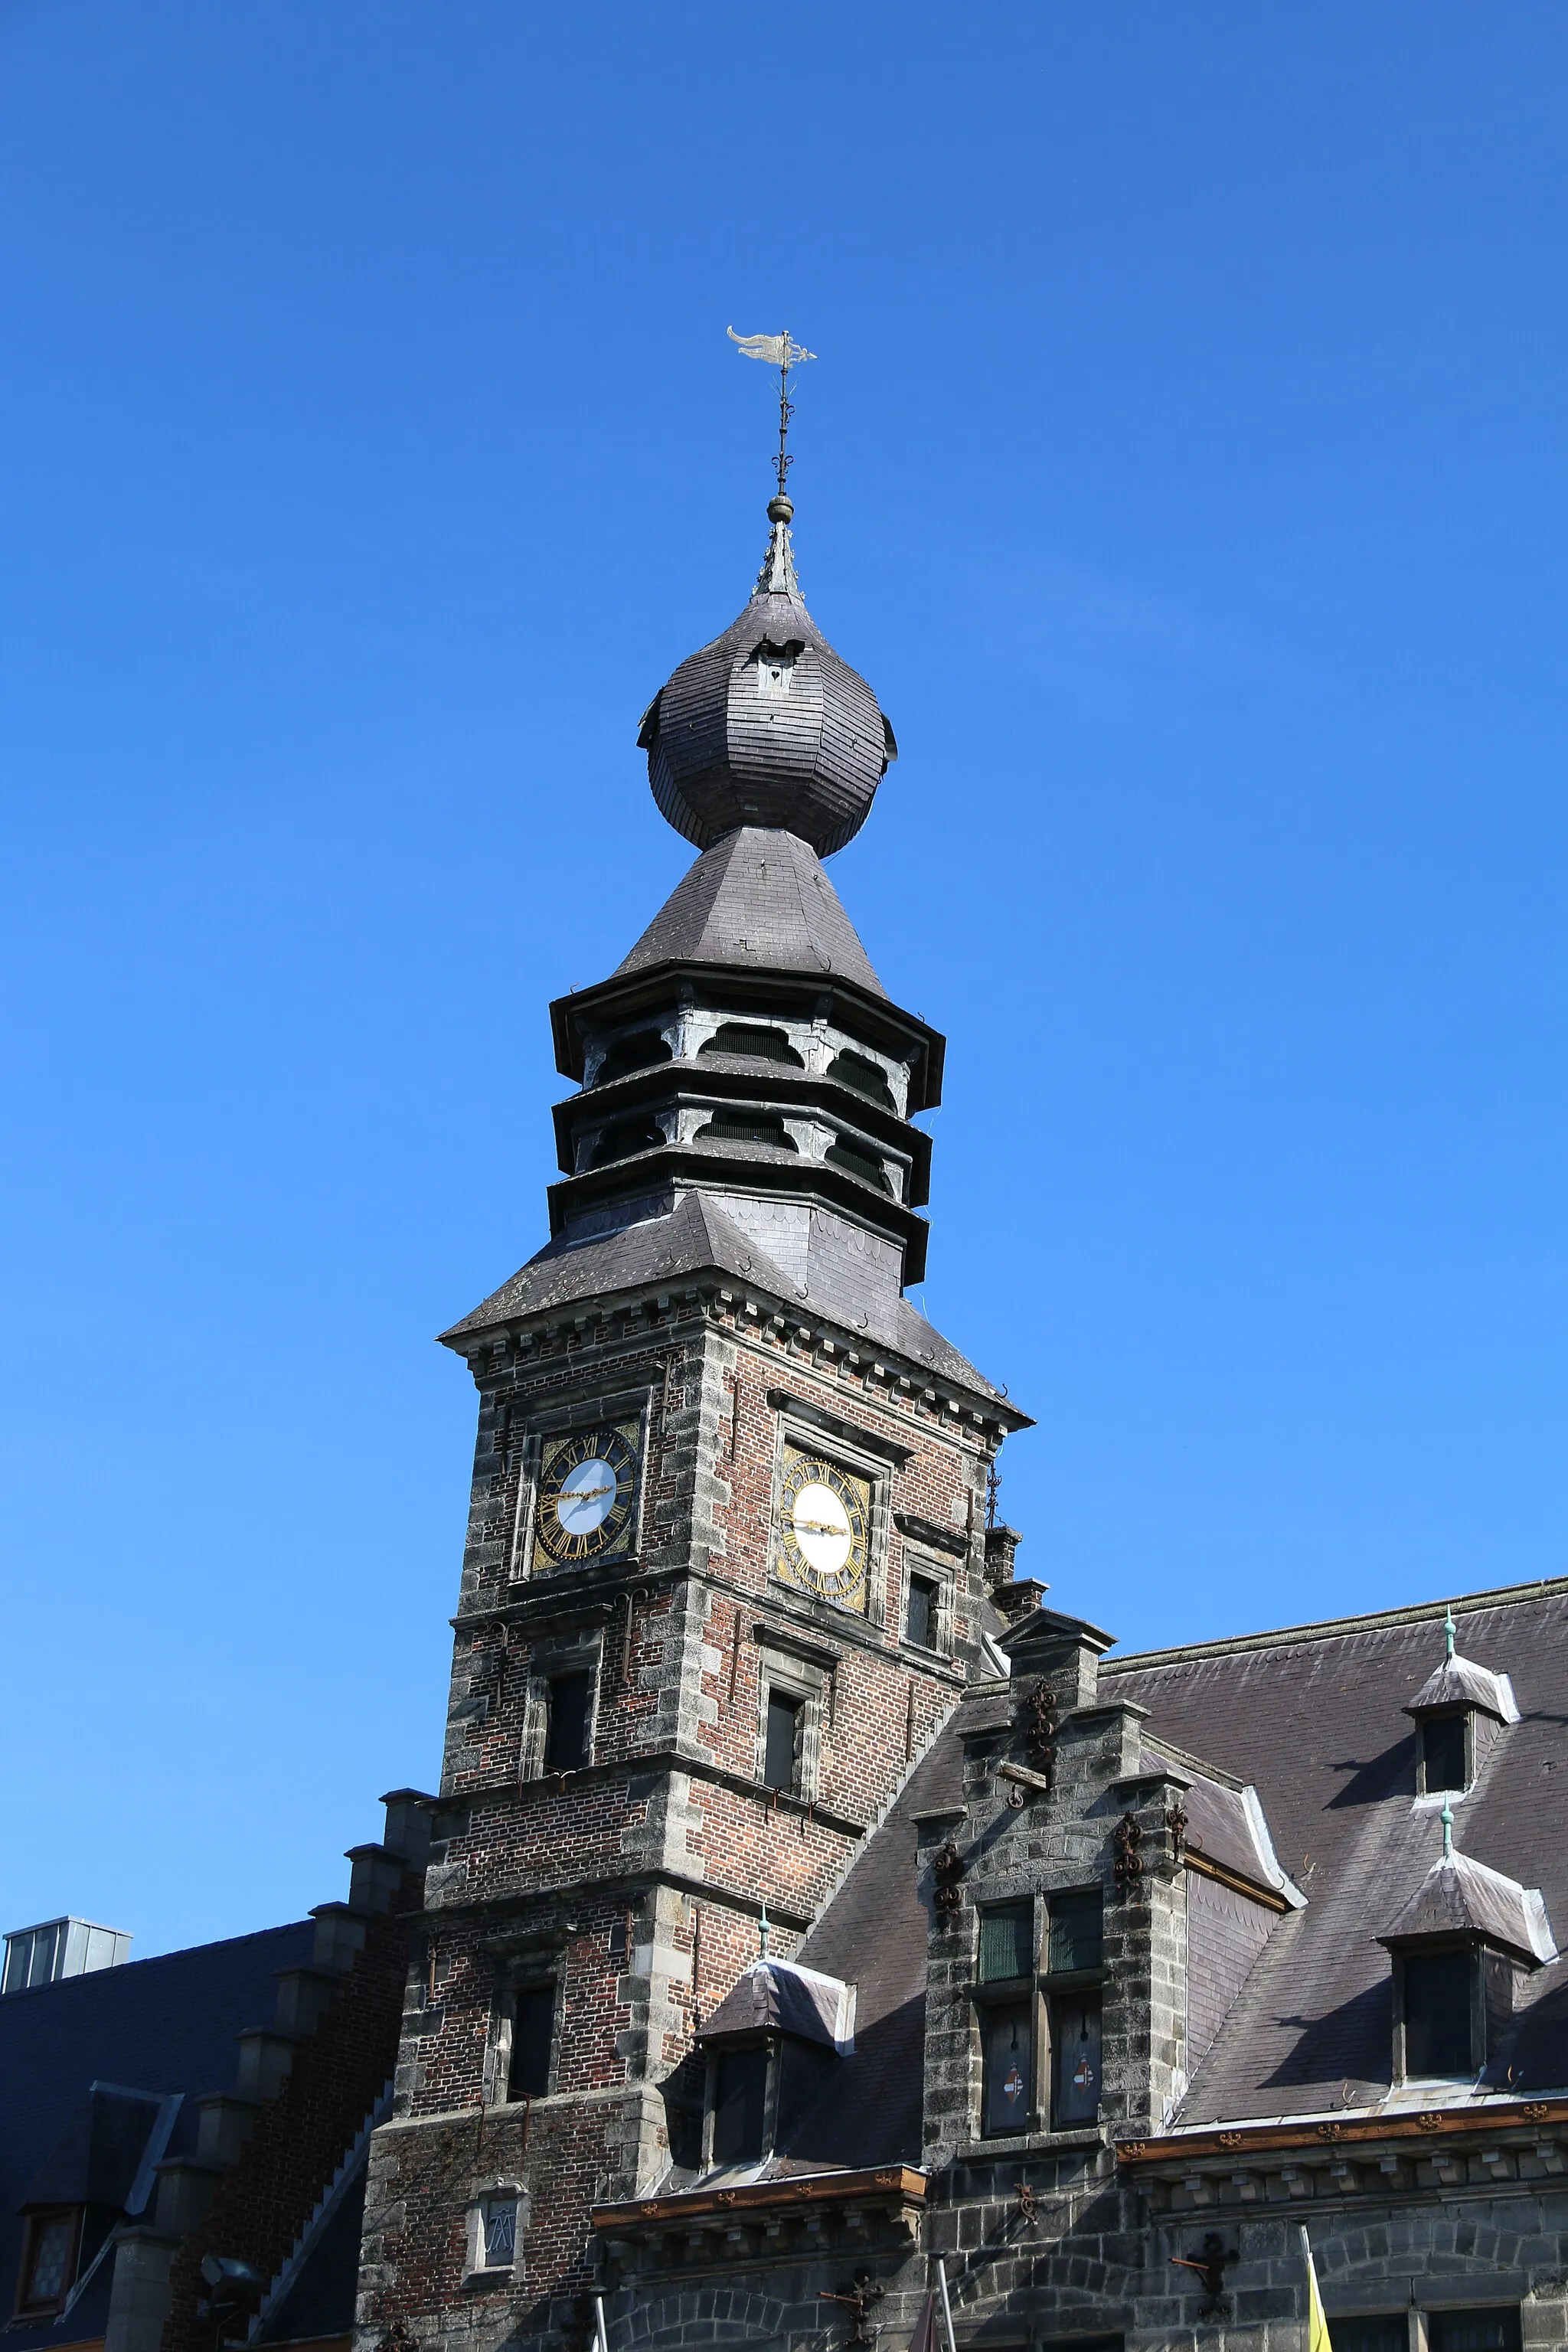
(1328, 1629)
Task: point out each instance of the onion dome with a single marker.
(766, 725)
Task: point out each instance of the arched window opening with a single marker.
(750, 1037)
(735, 1127)
(643, 1050)
(622, 1139)
(857, 1163)
(855, 1071)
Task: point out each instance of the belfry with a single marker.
(825, 1944)
(726, 1560)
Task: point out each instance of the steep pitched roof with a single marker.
(690, 1234)
(760, 899)
(158, 2027)
(1314, 1718)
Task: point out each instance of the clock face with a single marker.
(825, 1515)
(587, 1496)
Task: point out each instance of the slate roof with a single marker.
(761, 899)
(159, 2027)
(1458, 1897)
(1460, 1682)
(690, 1234)
(1314, 1718)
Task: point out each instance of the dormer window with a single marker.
(1458, 1946)
(1445, 1752)
(1438, 2016)
(772, 2044)
(775, 669)
(48, 2261)
(1458, 1712)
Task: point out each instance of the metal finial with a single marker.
(783, 352)
(762, 1933)
(1449, 1628)
(1447, 1821)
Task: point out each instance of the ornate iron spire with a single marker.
(777, 576)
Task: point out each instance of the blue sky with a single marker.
(1184, 466)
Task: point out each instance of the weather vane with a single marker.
(783, 352)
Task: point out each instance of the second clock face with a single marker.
(587, 1494)
(825, 1517)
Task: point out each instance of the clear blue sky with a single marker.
(1184, 466)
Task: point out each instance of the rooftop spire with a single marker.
(777, 576)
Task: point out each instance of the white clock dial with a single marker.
(585, 1497)
(820, 1525)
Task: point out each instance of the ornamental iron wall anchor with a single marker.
(1128, 1842)
(947, 1867)
(1210, 2262)
(1176, 1826)
(857, 2300)
(1037, 1722)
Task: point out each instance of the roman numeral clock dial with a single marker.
(587, 1497)
(825, 1515)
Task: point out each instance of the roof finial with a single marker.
(762, 1932)
(777, 577)
(1448, 1820)
(1449, 1628)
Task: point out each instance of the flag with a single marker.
(924, 2337)
(1316, 2325)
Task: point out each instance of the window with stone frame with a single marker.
(792, 1694)
(568, 1706)
(1007, 2066)
(1075, 2019)
(1496, 2329)
(48, 2261)
(531, 2041)
(1381, 2331)
(1076, 1930)
(782, 1740)
(1437, 2015)
(497, 2233)
(927, 1611)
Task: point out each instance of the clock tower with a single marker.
(725, 1574)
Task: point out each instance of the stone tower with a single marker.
(726, 1549)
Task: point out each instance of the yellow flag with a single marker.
(1316, 2325)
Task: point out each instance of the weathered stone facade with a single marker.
(800, 1939)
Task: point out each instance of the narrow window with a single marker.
(864, 1078)
(1385, 2331)
(624, 1138)
(1496, 2330)
(1007, 1942)
(566, 1737)
(643, 1050)
(500, 2232)
(740, 2092)
(1078, 1930)
(1443, 1752)
(532, 2032)
(749, 1037)
(1007, 2066)
(780, 1760)
(774, 671)
(1438, 2038)
(1075, 2059)
(739, 1128)
(48, 2259)
(920, 1618)
(855, 1163)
